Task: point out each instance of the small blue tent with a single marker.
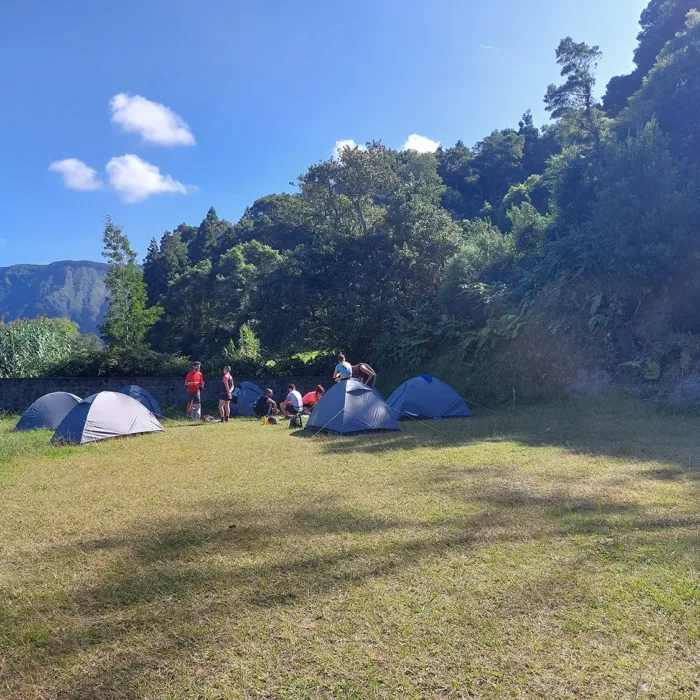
(144, 397)
(427, 397)
(105, 415)
(47, 412)
(249, 395)
(351, 407)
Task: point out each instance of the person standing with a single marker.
(226, 395)
(343, 370)
(365, 374)
(194, 382)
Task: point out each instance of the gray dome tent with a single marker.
(47, 412)
(427, 397)
(143, 397)
(106, 415)
(351, 407)
(249, 395)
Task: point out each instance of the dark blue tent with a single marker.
(427, 397)
(249, 395)
(351, 407)
(47, 412)
(106, 415)
(143, 397)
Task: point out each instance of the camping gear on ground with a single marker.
(105, 415)
(295, 421)
(143, 397)
(195, 411)
(351, 407)
(47, 412)
(427, 397)
(249, 395)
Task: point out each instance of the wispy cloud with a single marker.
(340, 146)
(76, 175)
(488, 47)
(154, 122)
(135, 179)
(422, 144)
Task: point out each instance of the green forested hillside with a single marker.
(68, 289)
(536, 257)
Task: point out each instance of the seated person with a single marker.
(365, 374)
(293, 404)
(264, 405)
(313, 397)
(343, 370)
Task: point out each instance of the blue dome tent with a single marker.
(427, 397)
(144, 397)
(105, 415)
(249, 395)
(351, 407)
(47, 412)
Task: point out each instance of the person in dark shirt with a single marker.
(264, 405)
(365, 374)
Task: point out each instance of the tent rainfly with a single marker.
(427, 397)
(105, 415)
(144, 397)
(47, 412)
(249, 395)
(351, 407)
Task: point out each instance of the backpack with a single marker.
(295, 421)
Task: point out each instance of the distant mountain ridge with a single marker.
(73, 289)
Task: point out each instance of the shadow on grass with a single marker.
(627, 430)
(171, 584)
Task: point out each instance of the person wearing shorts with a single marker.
(293, 404)
(225, 396)
(194, 382)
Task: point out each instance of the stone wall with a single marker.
(16, 395)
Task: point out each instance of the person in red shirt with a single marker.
(312, 398)
(194, 381)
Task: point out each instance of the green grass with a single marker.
(539, 553)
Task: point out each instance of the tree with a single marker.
(128, 317)
(574, 99)
(661, 20)
(499, 162)
(671, 94)
(463, 197)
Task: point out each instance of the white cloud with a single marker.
(153, 121)
(340, 146)
(135, 179)
(422, 144)
(488, 47)
(76, 175)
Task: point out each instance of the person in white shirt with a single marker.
(293, 404)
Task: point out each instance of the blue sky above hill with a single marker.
(153, 112)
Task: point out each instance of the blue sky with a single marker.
(240, 97)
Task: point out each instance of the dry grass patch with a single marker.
(548, 552)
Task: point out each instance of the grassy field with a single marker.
(549, 552)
